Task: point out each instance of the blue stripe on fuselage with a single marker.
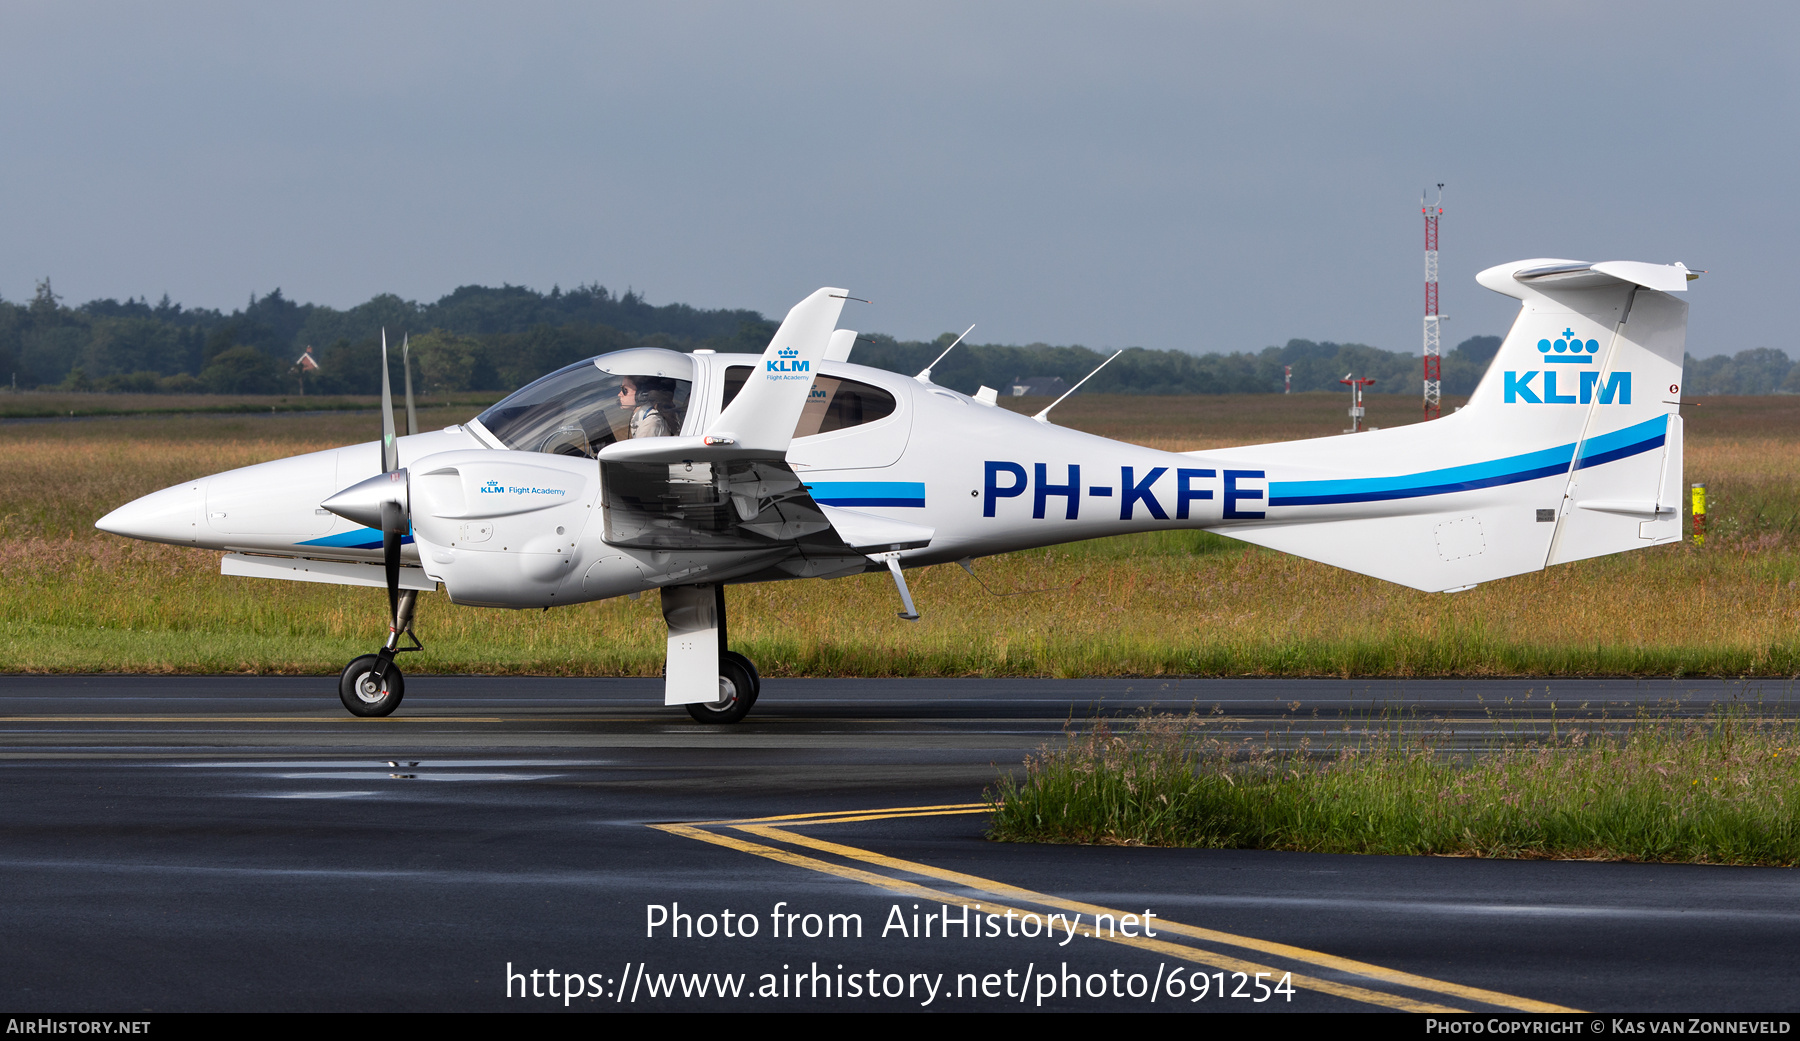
(1620, 444)
(868, 493)
(1623, 443)
(361, 538)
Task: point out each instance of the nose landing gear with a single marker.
(372, 685)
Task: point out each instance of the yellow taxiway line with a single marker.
(766, 828)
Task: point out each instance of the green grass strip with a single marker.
(1719, 791)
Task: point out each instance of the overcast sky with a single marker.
(1192, 176)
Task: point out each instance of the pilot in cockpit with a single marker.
(651, 401)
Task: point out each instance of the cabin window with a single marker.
(835, 404)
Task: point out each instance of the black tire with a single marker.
(735, 697)
(749, 667)
(364, 701)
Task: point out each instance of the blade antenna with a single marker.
(1044, 416)
(390, 449)
(924, 375)
(968, 564)
(412, 416)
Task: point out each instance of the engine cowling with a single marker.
(502, 528)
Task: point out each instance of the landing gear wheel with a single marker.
(749, 667)
(363, 694)
(736, 694)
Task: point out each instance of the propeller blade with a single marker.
(390, 449)
(412, 417)
(392, 528)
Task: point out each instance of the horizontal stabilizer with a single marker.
(1561, 274)
(1645, 508)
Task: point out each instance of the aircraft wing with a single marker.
(759, 422)
(731, 487)
(732, 504)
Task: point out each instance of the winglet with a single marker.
(762, 417)
(842, 342)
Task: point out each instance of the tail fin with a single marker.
(1569, 448)
(1594, 359)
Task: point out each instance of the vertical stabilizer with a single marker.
(1620, 490)
(1594, 362)
(1569, 448)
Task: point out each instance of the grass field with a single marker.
(1183, 603)
(1718, 791)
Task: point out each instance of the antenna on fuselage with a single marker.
(1044, 416)
(924, 375)
(412, 416)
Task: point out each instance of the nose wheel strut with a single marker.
(372, 685)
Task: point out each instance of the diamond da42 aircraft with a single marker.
(653, 469)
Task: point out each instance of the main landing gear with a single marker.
(372, 685)
(698, 652)
(738, 686)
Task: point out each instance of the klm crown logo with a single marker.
(1569, 349)
(492, 488)
(786, 362)
(1539, 386)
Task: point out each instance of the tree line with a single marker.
(480, 338)
(477, 338)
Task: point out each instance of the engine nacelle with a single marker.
(503, 528)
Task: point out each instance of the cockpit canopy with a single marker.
(581, 408)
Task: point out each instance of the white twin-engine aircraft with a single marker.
(652, 469)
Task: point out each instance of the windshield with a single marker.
(581, 409)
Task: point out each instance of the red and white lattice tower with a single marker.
(1434, 353)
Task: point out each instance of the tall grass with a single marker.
(84, 604)
(1719, 791)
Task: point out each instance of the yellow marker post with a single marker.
(1699, 514)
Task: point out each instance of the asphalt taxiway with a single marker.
(241, 843)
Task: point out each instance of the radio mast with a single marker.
(1434, 353)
